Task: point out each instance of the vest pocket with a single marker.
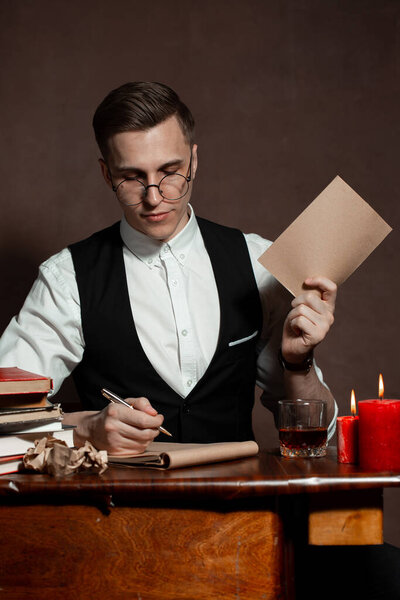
(241, 350)
(244, 339)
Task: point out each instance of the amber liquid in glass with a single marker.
(303, 442)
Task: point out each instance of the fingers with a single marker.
(311, 300)
(321, 298)
(117, 443)
(127, 431)
(141, 419)
(309, 305)
(128, 435)
(313, 326)
(325, 286)
(311, 316)
(142, 404)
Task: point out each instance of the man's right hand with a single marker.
(117, 428)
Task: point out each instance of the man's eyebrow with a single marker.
(175, 162)
(124, 169)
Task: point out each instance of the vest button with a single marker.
(186, 408)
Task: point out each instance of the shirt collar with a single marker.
(148, 250)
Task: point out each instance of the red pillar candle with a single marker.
(347, 435)
(379, 434)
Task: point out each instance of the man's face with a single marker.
(150, 155)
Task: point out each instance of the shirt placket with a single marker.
(184, 328)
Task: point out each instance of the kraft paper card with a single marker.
(165, 455)
(331, 237)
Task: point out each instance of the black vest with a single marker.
(219, 407)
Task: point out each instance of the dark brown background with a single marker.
(286, 94)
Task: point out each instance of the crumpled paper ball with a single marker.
(53, 456)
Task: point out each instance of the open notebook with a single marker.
(164, 455)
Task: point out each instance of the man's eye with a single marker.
(132, 178)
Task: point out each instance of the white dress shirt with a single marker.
(175, 304)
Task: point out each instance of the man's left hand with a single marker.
(310, 319)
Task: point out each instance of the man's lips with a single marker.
(156, 216)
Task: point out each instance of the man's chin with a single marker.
(159, 231)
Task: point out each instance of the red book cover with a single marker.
(14, 380)
(10, 464)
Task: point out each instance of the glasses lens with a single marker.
(173, 187)
(131, 192)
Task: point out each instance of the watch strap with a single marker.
(302, 367)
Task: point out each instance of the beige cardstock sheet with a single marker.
(331, 237)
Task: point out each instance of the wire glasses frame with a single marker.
(171, 187)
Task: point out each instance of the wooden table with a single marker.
(224, 531)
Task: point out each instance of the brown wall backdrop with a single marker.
(286, 94)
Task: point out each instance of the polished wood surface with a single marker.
(228, 530)
(259, 476)
(74, 552)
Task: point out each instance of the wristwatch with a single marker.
(303, 367)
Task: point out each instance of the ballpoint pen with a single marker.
(117, 399)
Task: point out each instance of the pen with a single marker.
(117, 399)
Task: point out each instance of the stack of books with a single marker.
(25, 413)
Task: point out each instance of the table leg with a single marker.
(346, 518)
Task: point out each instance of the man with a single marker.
(172, 312)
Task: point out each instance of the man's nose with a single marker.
(153, 196)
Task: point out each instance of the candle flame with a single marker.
(353, 403)
(381, 387)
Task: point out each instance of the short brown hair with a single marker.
(138, 106)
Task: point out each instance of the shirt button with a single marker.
(189, 382)
(184, 332)
(182, 256)
(165, 249)
(149, 261)
(174, 282)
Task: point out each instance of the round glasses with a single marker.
(131, 191)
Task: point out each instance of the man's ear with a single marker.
(105, 172)
(194, 160)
